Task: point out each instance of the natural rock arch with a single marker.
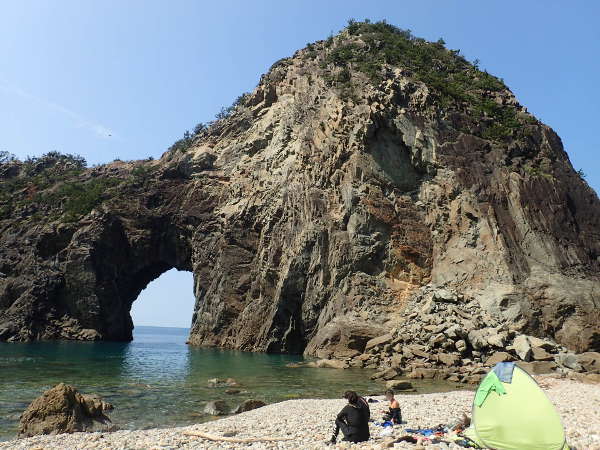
(312, 215)
(86, 289)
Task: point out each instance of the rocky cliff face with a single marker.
(360, 177)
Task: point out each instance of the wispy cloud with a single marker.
(78, 120)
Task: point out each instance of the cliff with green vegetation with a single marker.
(373, 184)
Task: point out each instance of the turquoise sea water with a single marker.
(157, 380)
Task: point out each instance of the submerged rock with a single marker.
(216, 408)
(218, 382)
(63, 409)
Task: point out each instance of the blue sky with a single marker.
(73, 72)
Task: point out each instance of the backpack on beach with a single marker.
(511, 412)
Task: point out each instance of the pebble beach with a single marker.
(308, 423)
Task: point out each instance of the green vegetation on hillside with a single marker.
(50, 181)
(371, 47)
(78, 198)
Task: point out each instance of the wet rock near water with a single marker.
(216, 408)
(248, 405)
(218, 382)
(63, 409)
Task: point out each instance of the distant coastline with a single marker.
(137, 327)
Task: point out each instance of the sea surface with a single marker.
(158, 381)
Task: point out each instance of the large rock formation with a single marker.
(363, 177)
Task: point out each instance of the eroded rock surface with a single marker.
(337, 202)
(63, 409)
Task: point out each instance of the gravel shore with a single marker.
(309, 422)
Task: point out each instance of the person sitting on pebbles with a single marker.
(394, 414)
(353, 419)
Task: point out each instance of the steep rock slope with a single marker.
(361, 176)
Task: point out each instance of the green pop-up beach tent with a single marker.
(511, 412)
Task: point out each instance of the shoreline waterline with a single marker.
(157, 380)
(308, 422)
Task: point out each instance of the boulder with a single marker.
(448, 359)
(497, 340)
(461, 346)
(331, 364)
(541, 343)
(380, 340)
(454, 378)
(522, 347)
(445, 296)
(478, 339)
(344, 337)
(542, 367)
(498, 357)
(472, 379)
(356, 363)
(453, 332)
(427, 373)
(570, 361)
(438, 339)
(399, 385)
(538, 367)
(539, 354)
(416, 350)
(396, 362)
(378, 375)
(590, 361)
(591, 378)
(216, 408)
(249, 405)
(63, 409)
(323, 353)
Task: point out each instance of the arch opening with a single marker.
(166, 301)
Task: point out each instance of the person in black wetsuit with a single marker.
(353, 419)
